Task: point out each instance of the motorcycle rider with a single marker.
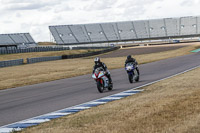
(98, 64)
(131, 60)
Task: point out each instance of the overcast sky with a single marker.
(34, 16)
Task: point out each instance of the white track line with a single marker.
(8, 128)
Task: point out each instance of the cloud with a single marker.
(24, 6)
(27, 4)
(34, 16)
(99, 5)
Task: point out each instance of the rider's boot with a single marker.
(110, 80)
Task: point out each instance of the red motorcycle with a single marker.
(102, 80)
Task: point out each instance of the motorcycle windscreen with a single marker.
(130, 66)
(100, 74)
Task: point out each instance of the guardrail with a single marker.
(52, 58)
(78, 48)
(42, 59)
(89, 54)
(35, 49)
(11, 63)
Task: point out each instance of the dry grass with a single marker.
(170, 106)
(46, 43)
(42, 54)
(47, 71)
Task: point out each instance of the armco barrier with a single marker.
(42, 59)
(11, 63)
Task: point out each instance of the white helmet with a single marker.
(96, 60)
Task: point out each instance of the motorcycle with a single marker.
(102, 80)
(133, 72)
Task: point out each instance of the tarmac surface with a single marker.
(21, 103)
(142, 50)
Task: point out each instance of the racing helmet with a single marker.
(97, 60)
(129, 57)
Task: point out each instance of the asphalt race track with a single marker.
(142, 50)
(21, 103)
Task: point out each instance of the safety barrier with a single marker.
(78, 48)
(35, 49)
(52, 58)
(11, 63)
(89, 54)
(42, 59)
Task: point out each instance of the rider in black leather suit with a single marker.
(98, 64)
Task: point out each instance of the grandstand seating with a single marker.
(109, 30)
(17, 38)
(157, 28)
(95, 32)
(198, 25)
(171, 26)
(56, 35)
(12, 43)
(126, 31)
(141, 29)
(79, 33)
(188, 25)
(65, 34)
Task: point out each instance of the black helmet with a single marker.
(129, 57)
(96, 60)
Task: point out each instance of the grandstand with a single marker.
(166, 28)
(17, 40)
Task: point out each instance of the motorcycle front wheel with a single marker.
(100, 86)
(130, 77)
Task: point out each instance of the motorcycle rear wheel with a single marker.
(100, 87)
(138, 76)
(110, 87)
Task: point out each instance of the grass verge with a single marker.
(171, 105)
(43, 54)
(53, 70)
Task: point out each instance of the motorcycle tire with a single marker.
(110, 87)
(138, 76)
(100, 87)
(130, 77)
(137, 79)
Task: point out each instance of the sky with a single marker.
(35, 16)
